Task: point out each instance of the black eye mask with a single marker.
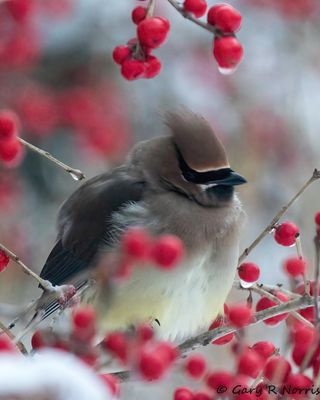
(223, 176)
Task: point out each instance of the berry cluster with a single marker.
(10, 148)
(138, 247)
(136, 60)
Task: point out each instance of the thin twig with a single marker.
(185, 14)
(18, 343)
(46, 285)
(316, 281)
(207, 337)
(75, 173)
(276, 218)
(151, 7)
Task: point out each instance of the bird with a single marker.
(180, 183)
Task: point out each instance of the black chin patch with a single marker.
(196, 177)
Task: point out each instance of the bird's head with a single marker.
(191, 161)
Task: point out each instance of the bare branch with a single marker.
(151, 7)
(76, 174)
(315, 176)
(46, 285)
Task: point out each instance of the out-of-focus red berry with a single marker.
(9, 123)
(265, 303)
(152, 32)
(152, 364)
(227, 51)
(277, 370)
(249, 272)
(202, 396)
(286, 233)
(136, 243)
(219, 378)
(20, 9)
(152, 67)
(6, 345)
(117, 344)
(317, 218)
(84, 322)
(145, 332)
(167, 251)
(37, 341)
(294, 266)
(168, 351)
(223, 340)
(195, 366)
(196, 7)
(240, 315)
(112, 383)
(250, 363)
(299, 381)
(120, 54)
(183, 393)
(11, 151)
(4, 260)
(264, 348)
(305, 335)
(138, 14)
(225, 17)
(132, 69)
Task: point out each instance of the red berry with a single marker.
(6, 345)
(225, 17)
(183, 393)
(286, 233)
(120, 54)
(250, 363)
(195, 366)
(20, 9)
(152, 67)
(145, 332)
(196, 7)
(299, 381)
(317, 218)
(37, 341)
(227, 51)
(223, 340)
(294, 266)
(112, 383)
(152, 32)
(117, 344)
(152, 364)
(265, 349)
(202, 396)
(9, 123)
(132, 69)
(240, 315)
(211, 16)
(84, 323)
(249, 272)
(304, 335)
(136, 243)
(10, 150)
(168, 351)
(4, 260)
(219, 378)
(167, 251)
(138, 14)
(277, 370)
(265, 303)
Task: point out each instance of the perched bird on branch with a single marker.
(180, 184)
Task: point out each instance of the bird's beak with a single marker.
(232, 180)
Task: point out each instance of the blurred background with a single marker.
(57, 73)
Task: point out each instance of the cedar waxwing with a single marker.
(179, 184)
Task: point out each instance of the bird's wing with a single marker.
(84, 221)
